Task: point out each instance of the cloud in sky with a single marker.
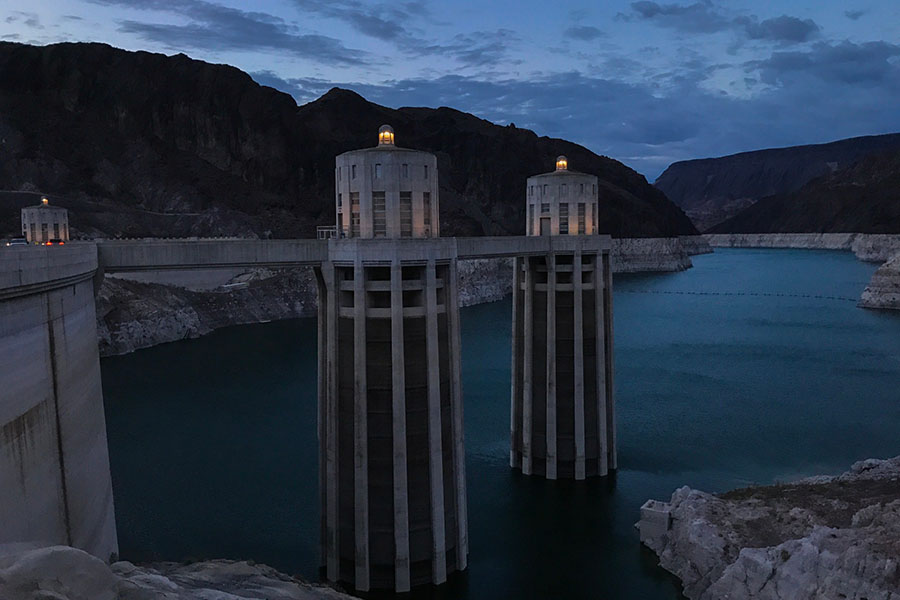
(649, 129)
(584, 32)
(214, 27)
(706, 17)
(647, 82)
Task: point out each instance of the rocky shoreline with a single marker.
(144, 310)
(821, 537)
(883, 290)
(870, 247)
(65, 573)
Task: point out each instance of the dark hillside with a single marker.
(150, 145)
(862, 198)
(711, 190)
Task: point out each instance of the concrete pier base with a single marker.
(562, 410)
(391, 441)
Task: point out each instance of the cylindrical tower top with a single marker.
(386, 191)
(561, 202)
(385, 135)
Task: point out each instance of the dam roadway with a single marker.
(54, 463)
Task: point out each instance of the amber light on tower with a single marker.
(562, 163)
(386, 135)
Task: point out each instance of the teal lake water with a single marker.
(751, 367)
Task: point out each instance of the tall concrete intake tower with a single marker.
(562, 412)
(393, 486)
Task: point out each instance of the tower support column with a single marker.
(561, 391)
(394, 495)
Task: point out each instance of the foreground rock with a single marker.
(64, 573)
(883, 290)
(823, 537)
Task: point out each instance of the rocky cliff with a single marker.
(713, 189)
(146, 145)
(863, 197)
(883, 290)
(64, 573)
(133, 314)
(824, 537)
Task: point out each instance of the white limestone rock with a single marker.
(695, 244)
(64, 573)
(871, 247)
(637, 255)
(484, 280)
(55, 573)
(818, 538)
(883, 290)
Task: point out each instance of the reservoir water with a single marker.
(754, 366)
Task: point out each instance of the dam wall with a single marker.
(54, 463)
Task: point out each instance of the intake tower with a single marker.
(562, 412)
(390, 398)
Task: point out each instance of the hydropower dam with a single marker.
(391, 457)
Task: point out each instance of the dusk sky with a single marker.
(647, 83)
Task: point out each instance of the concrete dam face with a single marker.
(54, 463)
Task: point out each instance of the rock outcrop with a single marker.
(711, 190)
(883, 290)
(64, 573)
(647, 255)
(484, 280)
(133, 315)
(867, 247)
(822, 537)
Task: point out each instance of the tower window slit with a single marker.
(406, 214)
(379, 214)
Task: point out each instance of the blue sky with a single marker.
(645, 82)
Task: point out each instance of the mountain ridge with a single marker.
(133, 134)
(711, 190)
(863, 197)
